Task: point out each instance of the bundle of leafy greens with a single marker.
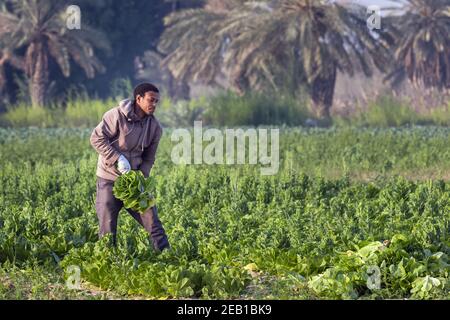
(135, 191)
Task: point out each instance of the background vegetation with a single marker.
(272, 54)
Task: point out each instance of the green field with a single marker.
(352, 213)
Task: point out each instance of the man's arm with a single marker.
(149, 154)
(106, 130)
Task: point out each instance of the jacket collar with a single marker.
(127, 108)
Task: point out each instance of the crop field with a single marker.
(351, 214)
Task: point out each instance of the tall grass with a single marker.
(224, 109)
(23, 115)
(79, 112)
(228, 109)
(256, 109)
(181, 113)
(388, 111)
(440, 116)
(85, 112)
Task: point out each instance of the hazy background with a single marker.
(135, 41)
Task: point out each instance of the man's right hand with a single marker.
(123, 165)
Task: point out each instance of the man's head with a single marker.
(146, 97)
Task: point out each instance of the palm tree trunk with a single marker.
(38, 73)
(322, 90)
(178, 89)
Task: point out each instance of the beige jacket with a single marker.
(122, 132)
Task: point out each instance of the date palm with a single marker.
(38, 28)
(422, 50)
(276, 44)
(192, 42)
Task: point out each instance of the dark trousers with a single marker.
(108, 208)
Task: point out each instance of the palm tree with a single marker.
(276, 44)
(192, 44)
(422, 50)
(39, 29)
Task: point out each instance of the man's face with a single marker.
(148, 102)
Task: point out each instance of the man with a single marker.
(126, 139)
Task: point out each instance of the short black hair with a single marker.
(142, 88)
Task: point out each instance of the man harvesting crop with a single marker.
(126, 139)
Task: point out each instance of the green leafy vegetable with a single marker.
(135, 191)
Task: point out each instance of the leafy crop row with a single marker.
(230, 227)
